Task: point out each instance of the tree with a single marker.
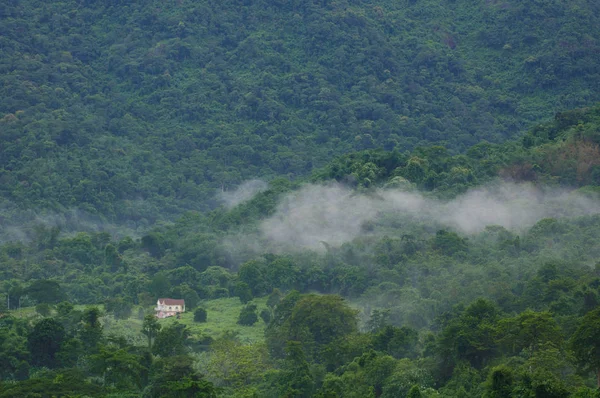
(314, 320)
(252, 273)
(295, 380)
(500, 382)
(112, 258)
(379, 319)
(398, 342)
(248, 315)
(44, 342)
(15, 292)
(274, 298)
(119, 307)
(155, 244)
(414, 392)
(64, 308)
(528, 330)
(243, 291)
(150, 328)
(265, 315)
(327, 317)
(200, 315)
(13, 351)
(43, 309)
(186, 293)
(470, 336)
(175, 377)
(117, 367)
(171, 340)
(449, 243)
(66, 383)
(585, 342)
(91, 329)
(46, 291)
(159, 286)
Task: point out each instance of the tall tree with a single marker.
(585, 342)
(44, 342)
(150, 328)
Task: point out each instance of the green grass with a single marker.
(222, 315)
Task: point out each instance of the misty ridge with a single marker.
(332, 214)
(17, 225)
(243, 193)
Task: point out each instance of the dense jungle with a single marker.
(354, 198)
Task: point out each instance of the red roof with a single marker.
(168, 301)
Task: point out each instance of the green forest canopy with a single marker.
(119, 123)
(138, 112)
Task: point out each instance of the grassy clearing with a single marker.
(222, 316)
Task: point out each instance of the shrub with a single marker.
(248, 315)
(219, 292)
(274, 298)
(43, 309)
(243, 291)
(200, 315)
(265, 315)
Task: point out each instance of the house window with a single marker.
(169, 307)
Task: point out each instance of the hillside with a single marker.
(354, 198)
(135, 113)
(424, 273)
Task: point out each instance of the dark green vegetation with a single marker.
(135, 115)
(137, 112)
(428, 311)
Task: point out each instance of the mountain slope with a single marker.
(138, 112)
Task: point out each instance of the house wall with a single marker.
(177, 308)
(164, 311)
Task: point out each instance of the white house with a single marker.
(166, 307)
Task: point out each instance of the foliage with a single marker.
(200, 315)
(44, 342)
(150, 328)
(142, 119)
(171, 340)
(119, 307)
(141, 111)
(248, 315)
(175, 377)
(585, 342)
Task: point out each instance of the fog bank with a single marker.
(242, 193)
(335, 214)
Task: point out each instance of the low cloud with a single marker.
(334, 214)
(25, 225)
(243, 193)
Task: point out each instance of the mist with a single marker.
(24, 225)
(334, 214)
(242, 193)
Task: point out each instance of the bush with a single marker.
(274, 298)
(120, 308)
(43, 309)
(200, 315)
(219, 292)
(248, 315)
(265, 315)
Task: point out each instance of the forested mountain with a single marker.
(137, 111)
(467, 275)
(354, 198)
